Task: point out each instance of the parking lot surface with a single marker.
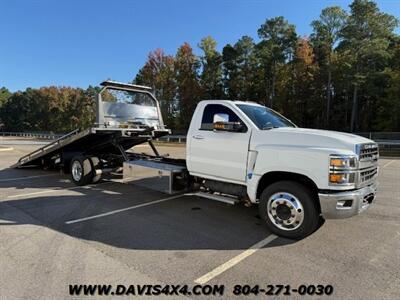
(53, 234)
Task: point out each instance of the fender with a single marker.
(310, 162)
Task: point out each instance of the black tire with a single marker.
(96, 164)
(87, 173)
(310, 216)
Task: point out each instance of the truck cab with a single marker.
(295, 175)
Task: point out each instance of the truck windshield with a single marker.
(265, 118)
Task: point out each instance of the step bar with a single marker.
(220, 198)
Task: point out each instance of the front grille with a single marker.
(366, 175)
(369, 152)
(368, 155)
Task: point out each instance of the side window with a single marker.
(207, 122)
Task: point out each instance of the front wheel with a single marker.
(288, 209)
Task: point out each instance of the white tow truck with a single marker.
(236, 152)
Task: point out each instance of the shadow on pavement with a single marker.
(184, 223)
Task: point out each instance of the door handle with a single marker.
(198, 137)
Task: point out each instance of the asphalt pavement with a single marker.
(53, 234)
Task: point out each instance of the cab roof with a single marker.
(232, 102)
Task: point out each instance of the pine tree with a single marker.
(326, 34)
(211, 73)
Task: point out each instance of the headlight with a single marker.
(342, 162)
(342, 169)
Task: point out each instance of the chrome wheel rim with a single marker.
(76, 170)
(285, 211)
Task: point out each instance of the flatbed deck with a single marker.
(90, 141)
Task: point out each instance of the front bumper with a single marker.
(346, 204)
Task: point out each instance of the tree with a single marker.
(241, 69)
(159, 73)
(211, 75)
(326, 34)
(230, 71)
(345, 77)
(247, 63)
(4, 96)
(389, 109)
(307, 110)
(276, 47)
(55, 109)
(187, 79)
(339, 78)
(388, 113)
(366, 39)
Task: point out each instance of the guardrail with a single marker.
(53, 136)
(388, 137)
(37, 135)
(382, 137)
(389, 142)
(173, 139)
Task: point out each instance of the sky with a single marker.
(81, 43)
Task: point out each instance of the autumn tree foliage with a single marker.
(159, 73)
(56, 109)
(342, 77)
(305, 68)
(188, 90)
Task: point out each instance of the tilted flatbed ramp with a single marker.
(47, 150)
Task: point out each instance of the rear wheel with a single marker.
(288, 209)
(81, 170)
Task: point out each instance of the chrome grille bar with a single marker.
(368, 155)
(366, 175)
(368, 152)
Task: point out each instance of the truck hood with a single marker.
(303, 137)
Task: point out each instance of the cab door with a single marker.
(218, 154)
